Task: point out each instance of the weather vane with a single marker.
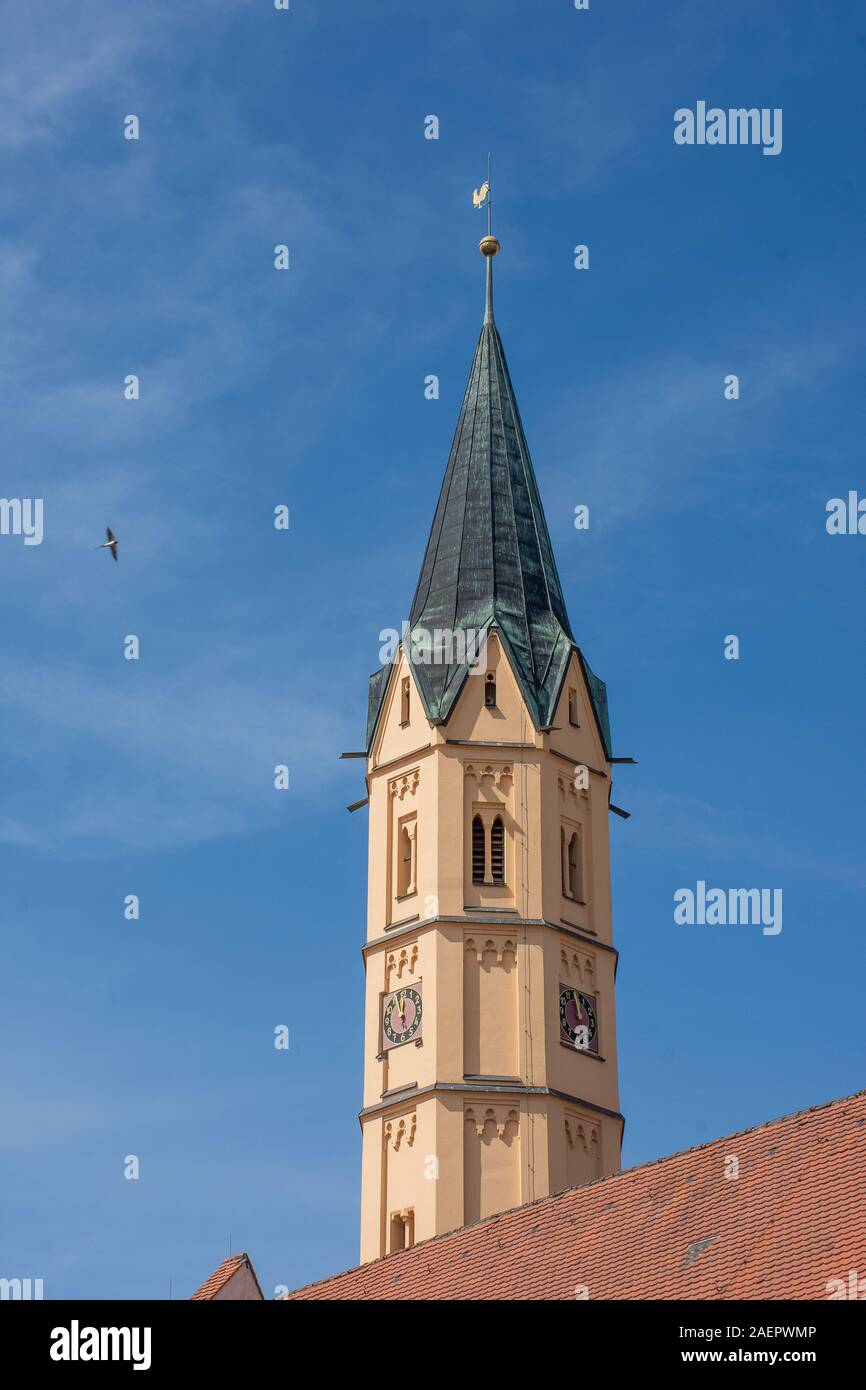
(488, 245)
(482, 196)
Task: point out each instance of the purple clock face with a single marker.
(401, 1017)
(578, 1023)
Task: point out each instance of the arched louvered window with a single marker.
(574, 885)
(490, 691)
(497, 851)
(478, 848)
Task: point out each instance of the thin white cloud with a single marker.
(638, 445)
(54, 59)
(171, 759)
(663, 819)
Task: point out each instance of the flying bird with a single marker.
(110, 544)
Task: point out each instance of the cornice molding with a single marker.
(492, 1089)
(482, 920)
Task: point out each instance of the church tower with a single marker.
(490, 1074)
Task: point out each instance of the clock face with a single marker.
(578, 1023)
(401, 1017)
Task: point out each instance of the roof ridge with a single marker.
(499, 358)
(221, 1275)
(482, 341)
(735, 1134)
(425, 1245)
(503, 375)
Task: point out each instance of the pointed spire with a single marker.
(489, 561)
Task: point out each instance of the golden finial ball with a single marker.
(488, 246)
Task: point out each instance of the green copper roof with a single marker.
(598, 695)
(375, 699)
(489, 562)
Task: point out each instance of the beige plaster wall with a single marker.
(443, 1136)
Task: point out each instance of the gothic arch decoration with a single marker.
(402, 962)
(399, 1131)
(568, 789)
(493, 1121)
(404, 785)
(498, 775)
(491, 1158)
(583, 1134)
(502, 950)
(576, 965)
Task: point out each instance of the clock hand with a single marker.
(579, 1041)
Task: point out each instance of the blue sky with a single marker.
(306, 388)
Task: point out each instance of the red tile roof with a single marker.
(220, 1277)
(678, 1228)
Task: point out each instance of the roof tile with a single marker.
(220, 1277)
(677, 1228)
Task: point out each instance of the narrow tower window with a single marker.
(398, 1233)
(572, 708)
(404, 701)
(490, 691)
(478, 848)
(402, 1230)
(497, 850)
(406, 859)
(574, 885)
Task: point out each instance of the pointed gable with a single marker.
(234, 1281)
